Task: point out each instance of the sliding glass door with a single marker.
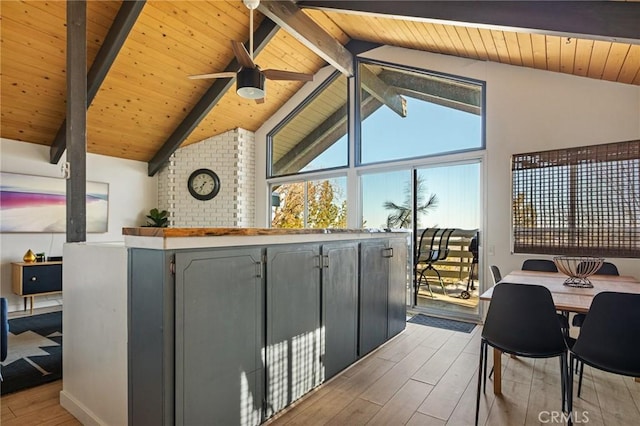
(447, 217)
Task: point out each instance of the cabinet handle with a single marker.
(319, 262)
(325, 262)
(34, 278)
(258, 269)
(388, 252)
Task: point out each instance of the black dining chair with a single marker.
(609, 339)
(607, 268)
(538, 337)
(542, 265)
(495, 272)
(4, 330)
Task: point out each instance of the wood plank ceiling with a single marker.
(147, 94)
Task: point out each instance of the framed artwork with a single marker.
(39, 204)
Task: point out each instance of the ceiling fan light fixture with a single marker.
(250, 83)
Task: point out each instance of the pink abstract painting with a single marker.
(38, 204)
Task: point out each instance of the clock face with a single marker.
(203, 184)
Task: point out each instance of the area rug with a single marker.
(35, 352)
(447, 324)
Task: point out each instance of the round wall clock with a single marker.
(203, 184)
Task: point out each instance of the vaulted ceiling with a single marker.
(145, 106)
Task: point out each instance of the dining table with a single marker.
(565, 298)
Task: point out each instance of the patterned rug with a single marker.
(447, 324)
(35, 352)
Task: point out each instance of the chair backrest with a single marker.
(610, 335)
(497, 276)
(423, 245)
(522, 320)
(542, 265)
(607, 268)
(4, 330)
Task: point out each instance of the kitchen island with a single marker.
(231, 325)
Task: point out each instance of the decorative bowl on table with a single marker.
(578, 268)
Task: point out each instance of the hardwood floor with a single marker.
(425, 376)
(428, 376)
(36, 406)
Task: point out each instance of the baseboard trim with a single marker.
(79, 411)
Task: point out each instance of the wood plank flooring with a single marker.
(36, 406)
(425, 376)
(428, 376)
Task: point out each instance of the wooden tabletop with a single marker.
(567, 298)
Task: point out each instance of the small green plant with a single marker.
(157, 218)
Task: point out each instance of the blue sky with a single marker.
(426, 130)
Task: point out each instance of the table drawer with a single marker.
(41, 279)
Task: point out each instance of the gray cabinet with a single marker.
(150, 340)
(339, 306)
(383, 281)
(398, 281)
(233, 335)
(374, 275)
(219, 337)
(293, 323)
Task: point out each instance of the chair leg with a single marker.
(444, 290)
(563, 377)
(486, 352)
(570, 392)
(580, 377)
(483, 345)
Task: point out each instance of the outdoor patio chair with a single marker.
(431, 249)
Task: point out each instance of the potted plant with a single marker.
(157, 218)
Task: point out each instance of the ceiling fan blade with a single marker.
(214, 75)
(287, 75)
(242, 55)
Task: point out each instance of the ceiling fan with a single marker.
(250, 79)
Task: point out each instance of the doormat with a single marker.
(34, 352)
(447, 324)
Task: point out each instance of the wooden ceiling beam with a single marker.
(288, 16)
(76, 125)
(261, 37)
(115, 38)
(380, 90)
(600, 20)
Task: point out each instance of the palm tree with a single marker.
(401, 216)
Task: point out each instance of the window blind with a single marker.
(578, 201)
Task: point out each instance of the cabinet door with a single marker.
(293, 323)
(339, 306)
(374, 273)
(41, 278)
(219, 336)
(398, 278)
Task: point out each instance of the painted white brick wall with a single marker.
(231, 156)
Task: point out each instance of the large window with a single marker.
(386, 200)
(578, 201)
(310, 204)
(409, 114)
(314, 136)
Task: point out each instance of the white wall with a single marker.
(94, 320)
(526, 110)
(231, 156)
(131, 194)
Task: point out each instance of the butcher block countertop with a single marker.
(180, 238)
